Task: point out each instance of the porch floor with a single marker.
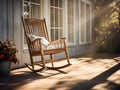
(91, 72)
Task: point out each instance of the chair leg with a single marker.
(51, 57)
(32, 64)
(32, 67)
(43, 61)
(67, 56)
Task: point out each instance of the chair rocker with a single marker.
(39, 44)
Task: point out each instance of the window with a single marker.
(71, 30)
(85, 11)
(61, 18)
(56, 19)
(31, 8)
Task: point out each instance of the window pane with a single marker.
(82, 21)
(56, 17)
(60, 3)
(70, 34)
(52, 19)
(61, 33)
(56, 34)
(52, 34)
(60, 18)
(35, 10)
(70, 21)
(52, 2)
(56, 3)
(88, 22)
(70, 9)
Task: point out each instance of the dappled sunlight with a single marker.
(86, 73)
(115, 77)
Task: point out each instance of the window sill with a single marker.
(85, 43)
(71, 44)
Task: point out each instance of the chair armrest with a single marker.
(59, 43)
(58, 40)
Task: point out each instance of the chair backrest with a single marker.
(36, 27)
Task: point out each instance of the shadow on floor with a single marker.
(14, 81)
(89, 84)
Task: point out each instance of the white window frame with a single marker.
(85, 27)
(63, 28)
(74, 32)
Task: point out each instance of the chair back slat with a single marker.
(35, 27)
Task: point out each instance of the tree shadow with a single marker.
(87, 85)
(102, 55)
(99, 57)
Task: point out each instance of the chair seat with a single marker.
(48, 51)
(53, 51)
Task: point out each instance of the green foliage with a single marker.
(107, 29)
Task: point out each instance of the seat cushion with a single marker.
(44, 42)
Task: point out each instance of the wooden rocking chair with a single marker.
(40, 45)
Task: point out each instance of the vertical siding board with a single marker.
(10, 20)
(17, 22)
(17, 27)
(4, 23)
(77, 27)
(1, 20)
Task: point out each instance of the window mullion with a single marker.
(85, 27)
(90, 24)
(54, 25)
(79, 21)
(58, 21)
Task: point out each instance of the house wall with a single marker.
(3, 20)
(11, 29)
(10, 23)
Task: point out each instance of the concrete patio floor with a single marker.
(91, 72)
